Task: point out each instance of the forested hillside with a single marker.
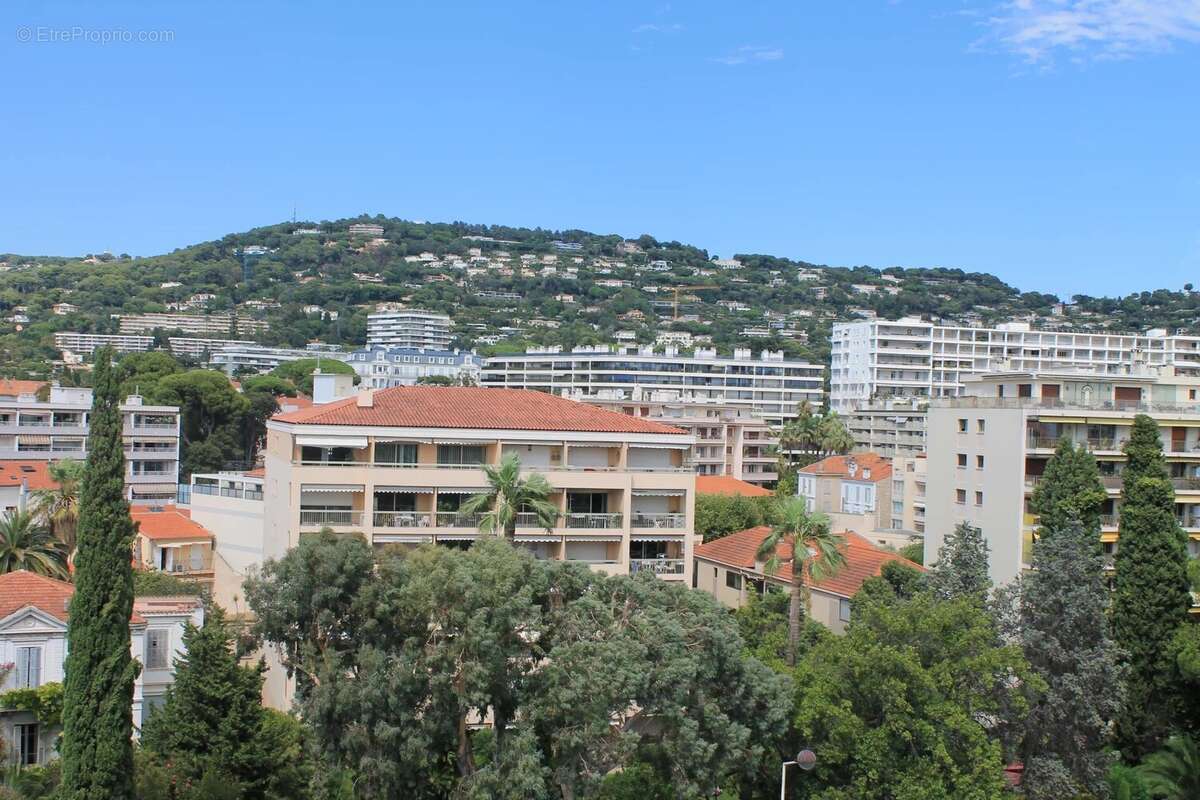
(506, 288)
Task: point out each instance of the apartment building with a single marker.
(88, 343)
(910, 358)
(385, 367)
(910, 479)
(769, 385)
(368, 229)
(33, 639)
(172, 542)
(894, 427)
(198, 347)
(196, 324)
(261, 358)
(855, 492)
(989, 448)
(397, 464)
(409, 327)
(57, 428)
(728, 440)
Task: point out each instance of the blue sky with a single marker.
(1052, 142)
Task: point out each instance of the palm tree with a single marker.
(25, 544)
(1173, 773)
(59, 507)
(810, 548)
(508, 495)
(833, 436)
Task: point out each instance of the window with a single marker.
(156, 649)
(844, 610)
(27, 737)
(978, 462)
(962, 460)
(960, 496)
(962, 426)
(733, 580)
(979, 498)
(395, 453)
(29, 667)
(460, 454)
(1191, 394)
(979, 425)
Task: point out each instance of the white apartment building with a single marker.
(894, 427)
(88, 343)
(196, 347)
(409, 327)
(32, 430)
(261, 358)
(198, 324)
(879, 359)
(385, 367)
(769, 385)
(396, 465)
(728, 440)
(988, 449)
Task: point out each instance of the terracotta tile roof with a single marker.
(257, 472)
(473, 407)
(12, 388)
(728, 485)
(37, 473)
(21, 589)
(863, 559)
(840, 466)
(297, 403)
(167, 524)
(165, 605)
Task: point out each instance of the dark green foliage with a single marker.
(1151, 598)
(1173, 773)
(1184, 657)
(581, 672)
(152, 583)
(637, 782)
(1065, 636)
(97, 749)
(719, 515)
(961, 569)
(213, 724)
(763, 625)
(1069, 491)
(1124, 783)
(914, 552)
(300, 372)
(896, 582)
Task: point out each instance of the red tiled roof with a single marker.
(13, 471)
(21, 589)
(297, 403)
(839, 466)
(257, 472)
(12, 388)
(863, 559)
(167, 524)
(728, 485)
(473, 407)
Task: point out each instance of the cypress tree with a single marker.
(961, 570)
(1152, 598)
(97, 747)
(1069, 491)
(1065, 635)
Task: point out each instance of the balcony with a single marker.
(593, 521)
(657, 566)
(333, 519)
(456, 519)
(226, 491)
(1109, 520)
(657, 520)
(403, 519)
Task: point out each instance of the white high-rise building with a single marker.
(881, 359)
(769, 385)
(409, 327)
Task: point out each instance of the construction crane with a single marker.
(678, 289)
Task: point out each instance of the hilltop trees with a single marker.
(1151, 598)
(97, 751)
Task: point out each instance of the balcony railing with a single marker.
(455, 519)
(403, 519)
(672, 520)
(657, 566)
(1108, 520)
(226, 491)
(330, 518)
(528, 519)
(603, 521)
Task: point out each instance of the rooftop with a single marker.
(863, 559)
(37, 473)
(166, 524)
(473, 407)
(12, 388)
(23, 589)
(860, 467)
(729, 485)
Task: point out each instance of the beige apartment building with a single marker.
(910, 477)
(855, 492)
(397, 464)
(989, 448)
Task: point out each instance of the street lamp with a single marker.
(806, 759)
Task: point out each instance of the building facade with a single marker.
(197, 324)
(855, 492)
(172, 542)
(385, 367)
(88, 343)
(261, 358)
(894, 427)
(396, 465)
(33, 430)
(910, 358)
(409, 327)
(769, 385)
(197, 347)
(989, 448)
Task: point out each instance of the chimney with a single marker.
(328, 387)
(366, 398)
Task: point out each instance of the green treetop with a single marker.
(1143, 451)
(961, 569)
(1069, 490)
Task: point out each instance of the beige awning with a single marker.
(154, 488)
(28, 439)
(405, 489)
(331, 487)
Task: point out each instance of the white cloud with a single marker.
(1092, 29)
(650, 27)
(749, 53)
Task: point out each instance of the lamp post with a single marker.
(806, 759)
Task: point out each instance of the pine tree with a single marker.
(1069, 491)
(213, 719)
(1065, 635)
(1152, 594)
(961, 569)
(97, 748)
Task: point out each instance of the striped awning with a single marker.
(531, 539)
(155, 488)
(594, 537)
(400, 538)
(331, 487)
(659, 492)
(461, 490)
(679, 446)
(657, 537)
(405, 489)
(30, 439)
(355, 442)
(457, 537)
(152, 439)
